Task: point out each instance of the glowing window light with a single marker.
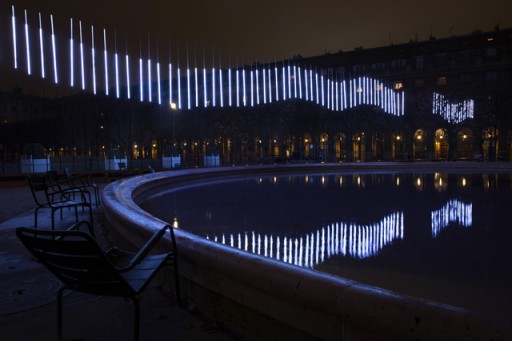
(29, 70)
(264, 86)
(252, 89)
(188, 89)
(299, 73)
(229, 87)
(237, 89)
(284, 82)
(221, 87)
(128, 94)
(14, 47)
(158, 83)
(243, 88)
(205, 95)
(179, 86)
(150, 93)
(41, 45)
(105, 59)
(82, 56)
(317, 92)
(257, 87)
(93, 61)
(54, 49)
(116, 62)
(196, 86)
(71, 55)
(213, 87)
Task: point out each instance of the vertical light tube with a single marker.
(284, 81)
(252, 88)
(196, 86)
(277, 84)
(264, 86)
(188, 89)
(311, 85)
(54, 49)
(306, 83)
(221, 88)
(299, 72)
(179, 86)
(14, 46)
(71, 55)
(29, 69)
(158, 83)
(289, 82)
(170, 84)
(214, 95)
(41, 45)
(93, 61)
(237, 89)
(82, 56)
(328, 92)
(269, 85)
(322, 88)
(205, 95)
(337, 96)
(105, 60)
(230, 91)
(257, 87)
(128, 93)
(295, 81)
(141, 89)
(150, 93)
(243, 87)
(317, 92)
(116, 62)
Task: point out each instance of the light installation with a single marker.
(311, 249)
(288, 80)
(453, 112)
(41, 46)
(455, 211)
(29, 69)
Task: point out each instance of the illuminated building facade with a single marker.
(442, 99)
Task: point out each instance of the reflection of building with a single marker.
(440, 99)
(312, 249)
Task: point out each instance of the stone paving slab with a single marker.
(28, 292)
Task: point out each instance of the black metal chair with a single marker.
(80, 264)
(54, 198)
(83, 182)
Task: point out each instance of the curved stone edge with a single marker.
(317, 304)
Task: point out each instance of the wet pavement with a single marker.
(28, 291)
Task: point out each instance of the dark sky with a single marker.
(277, 29)
(239, 31)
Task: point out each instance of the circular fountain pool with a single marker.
(266, 241)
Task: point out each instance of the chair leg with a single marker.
(136, 306)
(59, 312)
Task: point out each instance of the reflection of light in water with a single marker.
(346, 239)
(454, 211)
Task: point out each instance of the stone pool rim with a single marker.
(287, 294)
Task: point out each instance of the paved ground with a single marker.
(28, 291)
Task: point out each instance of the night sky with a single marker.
(245, 31)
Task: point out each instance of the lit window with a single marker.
(399, 85)
(442, 80)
